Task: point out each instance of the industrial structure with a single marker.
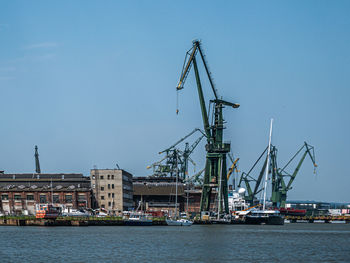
(281, 180)
(215, 167)
(175, 161)
(112, 189)
(157, 194)
(37, 163)
(21, 192)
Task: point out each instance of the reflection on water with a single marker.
(216, 243)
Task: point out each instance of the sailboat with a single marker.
(139, 218)
(265, 216)
(174, 221)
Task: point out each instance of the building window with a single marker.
(109, 186)
(81, 198)
(112, 186)
(68, 198)
(112, 195)
(103, 206)
(56, 199)
(101, 177)
(102, 197)
(43, 199)
(30, 197)
(4, 197)
(112, 176)
(109, 195)
(109, 203)
(109, 177)
(102, 188)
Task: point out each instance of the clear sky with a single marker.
(93, 83)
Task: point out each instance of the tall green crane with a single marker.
(215, 167)
(279, 186)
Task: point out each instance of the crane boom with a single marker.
(181, 140)
(233, 166)
(308, 149)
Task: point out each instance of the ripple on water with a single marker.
(216, 243)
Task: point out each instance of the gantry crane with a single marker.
(279, 186)
(176, 160)
(215, 167)
(37, 163)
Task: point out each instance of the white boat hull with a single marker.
(181, 222)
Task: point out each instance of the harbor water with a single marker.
(198, 243)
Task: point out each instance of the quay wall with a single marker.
(75, 221)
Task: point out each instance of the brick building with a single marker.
(193, 200)
(19, 193)
(158, 193)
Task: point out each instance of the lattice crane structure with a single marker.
(216, 149)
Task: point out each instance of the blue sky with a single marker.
(93, 83)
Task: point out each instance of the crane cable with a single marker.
(177, 102)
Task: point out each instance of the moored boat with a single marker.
(47, 211)
(179, 222)
(268, 217)
(138, 219)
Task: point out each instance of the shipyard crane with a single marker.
(196, 179)
(181, 140)
(232, 168)
(175, 157)
(247, 179)
(279, 186)
(186, 156)
(37, 163)
(215, 167)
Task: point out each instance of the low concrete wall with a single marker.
(69, 222)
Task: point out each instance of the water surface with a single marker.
(198, 243)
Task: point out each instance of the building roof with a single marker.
(31, 176)
(155, 179)
(43, 182)
(157, 188)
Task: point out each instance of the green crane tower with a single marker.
(279, 185)
(215, 168)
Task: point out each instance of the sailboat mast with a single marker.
(267, 165)
(177, 175)
(51, 192)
